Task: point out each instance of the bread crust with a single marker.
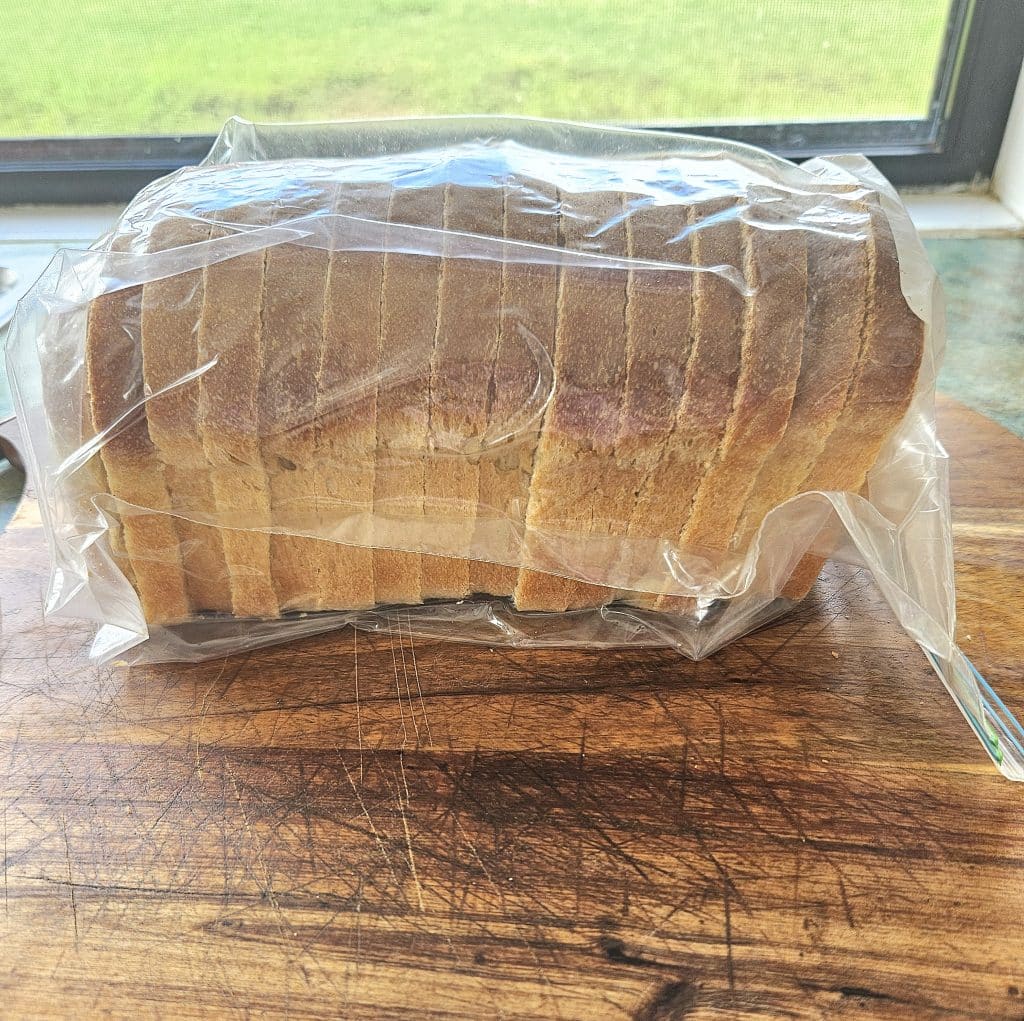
(659, 342)
(838, 284)
(881, 388)
(294, 281)
(774, 263)
(712, 369)
(134, 473)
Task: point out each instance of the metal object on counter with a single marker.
(8, 279)
(10, 439)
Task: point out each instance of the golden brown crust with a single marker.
(837, 272)
(712, 369)
(134, 474)
(774, 264)
(881, 389)
(659, 344)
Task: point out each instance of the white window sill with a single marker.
(960, 214)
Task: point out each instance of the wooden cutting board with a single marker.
(801, 826)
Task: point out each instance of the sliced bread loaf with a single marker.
(343, 391)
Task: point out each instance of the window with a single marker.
(98, 98)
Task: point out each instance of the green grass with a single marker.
(167, 66)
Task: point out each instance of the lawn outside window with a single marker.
(107, 97)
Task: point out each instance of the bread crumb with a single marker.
(835, 655)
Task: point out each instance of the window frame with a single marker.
(956, 144)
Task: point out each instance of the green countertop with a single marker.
(984, 365)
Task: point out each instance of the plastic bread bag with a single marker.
(518, 381)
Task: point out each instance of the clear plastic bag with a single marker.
(536, 383)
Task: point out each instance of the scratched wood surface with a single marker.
(362, 827)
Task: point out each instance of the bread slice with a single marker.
(774, 262)
(409, 304)
(570, 492)
(83, 480)
(171, 308)
(520, 382)
(294, 282)
(712, 370)
(881, 389)
(134, 474)
(837, 291)
(95, 482)
(230, 343)
(347, 402)
(460, 378)
(658, 346)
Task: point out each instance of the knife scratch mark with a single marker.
(408, 689)
(373, 828)
(483, 868)
(202, 716)
(398, 686)
(359, 917)
(729, 968)
(7, 909)
(419, 687)
(408, 838)
(71, 884)
(271, 896)
(359, 715)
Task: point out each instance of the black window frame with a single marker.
(956, 144)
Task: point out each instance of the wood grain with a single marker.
(364, 827)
